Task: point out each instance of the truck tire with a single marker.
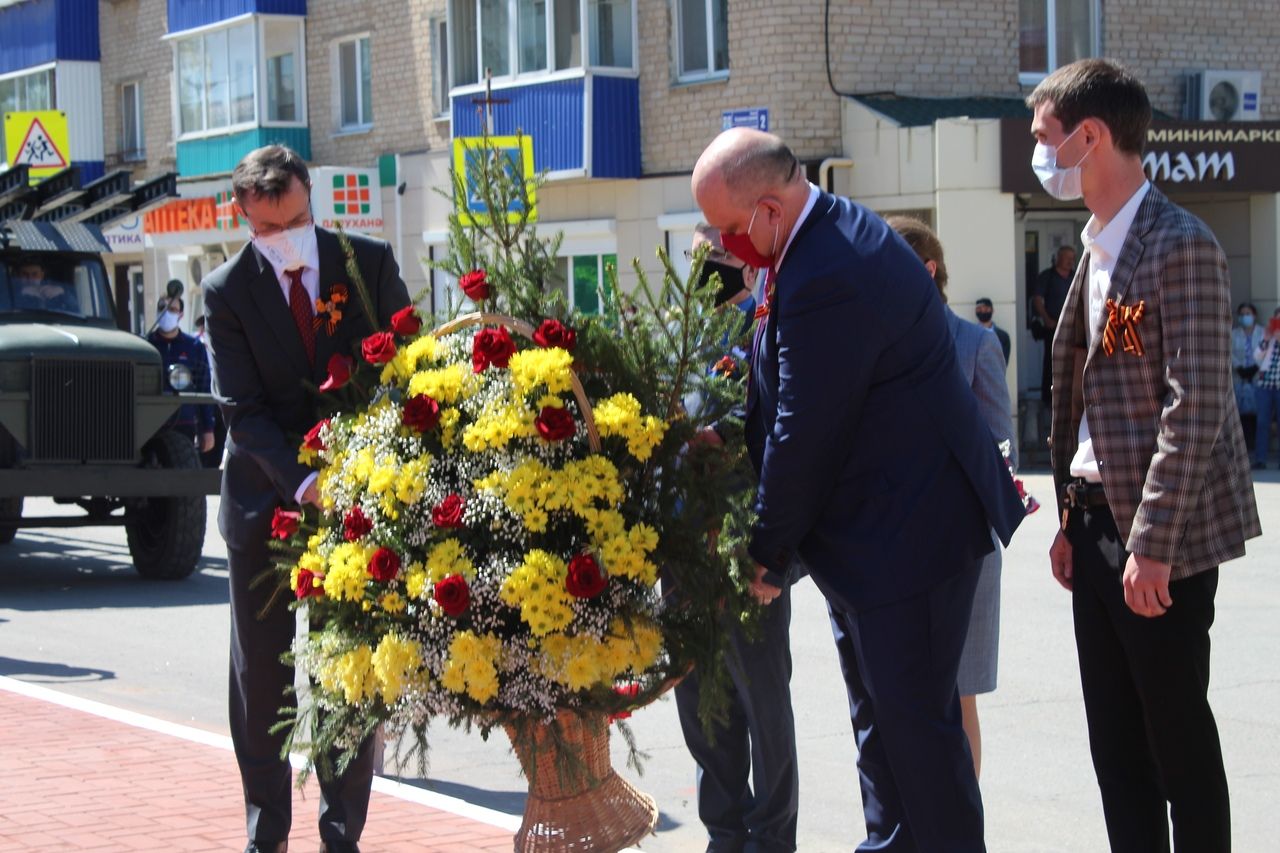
(9, 508)
(166, 535)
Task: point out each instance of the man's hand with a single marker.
(206, 442)
(312, 495)
(1146, 586)
(706, 438)
(761, 590)
(1060, 560)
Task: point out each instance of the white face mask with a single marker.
(1063, 183)
(168, 321)
(288, 249)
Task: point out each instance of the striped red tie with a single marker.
(303, 313)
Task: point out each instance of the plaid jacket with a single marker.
(1164, 424)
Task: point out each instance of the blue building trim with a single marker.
(554, 113)
(551, 113)
(615, 127)
(189, 14)
(90, 170)
(214, 155)
(41, 31)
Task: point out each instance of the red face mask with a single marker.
(741, 247)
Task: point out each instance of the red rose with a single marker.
(284, 523)
(448, 513)
(475, 284)
(384, 565)
(355, 525)
(627, 691)
(378, 348)
(421, 413)
(406, 321)
(491, 347)
(307, 585)
(452, 594)
(339, 367)
(555, 424)
(311, 440)
(553, 333)
(585, 579)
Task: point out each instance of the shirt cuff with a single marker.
(306, 484)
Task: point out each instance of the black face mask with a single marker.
(984, 316)
(731, 280)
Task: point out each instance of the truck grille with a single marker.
(81, 411)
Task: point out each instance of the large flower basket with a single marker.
(577, 802)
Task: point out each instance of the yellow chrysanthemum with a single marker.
(350, 674)
(394, 663)
(532, 368)
(448, 558)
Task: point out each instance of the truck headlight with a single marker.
(179, 377)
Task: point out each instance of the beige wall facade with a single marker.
(132, 52)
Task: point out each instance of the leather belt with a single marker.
(1082, 494)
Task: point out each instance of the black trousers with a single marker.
(258, 690)
(1146, 680)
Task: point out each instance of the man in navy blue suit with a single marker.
(876, 468)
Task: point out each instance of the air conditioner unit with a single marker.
(1224, 96)
(201, 265)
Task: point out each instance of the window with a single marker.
(517, 37)
(355, 84)
(702, 38)
(1053, 33)
(29, 91)
(440, 70)
(587, 280)
(221, 72)
(280, 46)
(132, 141)
(610, 24)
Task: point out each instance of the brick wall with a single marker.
(1187, 35)
(132, 50)
(402, 60)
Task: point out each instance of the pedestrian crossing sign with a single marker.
(37, 139)
(474, 157)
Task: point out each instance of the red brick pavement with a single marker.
(73, 780)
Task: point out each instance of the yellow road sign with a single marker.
(38, 139)
(513, 155)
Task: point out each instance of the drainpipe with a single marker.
(824, 171)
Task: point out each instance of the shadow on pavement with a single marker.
(53, 570)
(507, 802)
(37, 672)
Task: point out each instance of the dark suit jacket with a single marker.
(259, 365)
(875, 463)
(1164, 425)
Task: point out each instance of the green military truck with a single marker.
(83, 404)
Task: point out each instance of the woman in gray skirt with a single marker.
(981, 359)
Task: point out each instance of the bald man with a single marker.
(876, 468)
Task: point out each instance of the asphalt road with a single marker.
(75, 616)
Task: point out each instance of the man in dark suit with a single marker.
(259, 309)
(1149, 460)
(876, 468)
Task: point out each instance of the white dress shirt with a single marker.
(804, 214)
(1103, 245)
(310, 272)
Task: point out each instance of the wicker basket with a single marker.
(576, 800)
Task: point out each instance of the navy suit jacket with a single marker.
(876, 465)
(259, 364)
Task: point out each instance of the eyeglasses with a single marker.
(716, 256)
(271, 230)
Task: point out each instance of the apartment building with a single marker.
(907, 105)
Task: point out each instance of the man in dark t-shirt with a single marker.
(1047, 299)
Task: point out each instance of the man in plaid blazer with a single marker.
(1149, 460)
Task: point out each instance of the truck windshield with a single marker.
(53, 285)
